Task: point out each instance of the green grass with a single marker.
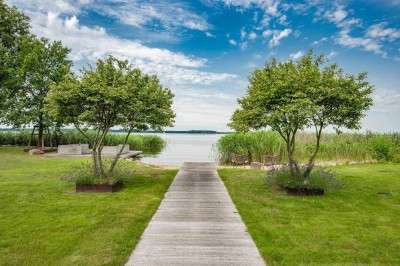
(44, 222)
(351, 226)
(341, 148)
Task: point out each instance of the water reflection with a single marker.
(182, 148)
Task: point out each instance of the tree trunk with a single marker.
(98, 170)
(114, 162)
(311, 162)
(293, 165)
(40, 143)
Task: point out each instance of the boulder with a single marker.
(35, 152)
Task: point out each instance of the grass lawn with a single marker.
(44, 222)
(352, 226)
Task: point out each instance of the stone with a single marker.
(256, 165)
(73, 149)
(36, 152)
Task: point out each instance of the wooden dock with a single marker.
(196, 224)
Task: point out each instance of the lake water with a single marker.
(182, 148)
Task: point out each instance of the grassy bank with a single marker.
(146, 143)
(357, 225)
(341, 148)
(44, 222)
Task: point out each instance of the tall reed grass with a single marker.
(145, 143)
(345, 147)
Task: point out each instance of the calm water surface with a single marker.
(182, 148)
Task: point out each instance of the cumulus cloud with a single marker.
(336, 15)
(233, 42)
(277, 36)
(380, 31)
(91, 43)
(242, 33)
(373, 38)
(269, 8)
(252, 35)
(296, 56)
(171, 16)
(367, 44)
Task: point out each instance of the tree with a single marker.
(14, 26)
(29, 66)
(113, 93)
(291, 96)
(41, 64)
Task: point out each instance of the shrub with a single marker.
(382, 149)
(83, 174)
(320, 178)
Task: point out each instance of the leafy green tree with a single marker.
(41, 65)
(292, 96)
(113, 93)
(14, 26)
(29, 66)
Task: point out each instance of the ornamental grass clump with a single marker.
(321, 178)
(83, 174)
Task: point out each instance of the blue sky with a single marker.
(204, 50)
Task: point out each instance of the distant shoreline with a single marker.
(201, 132)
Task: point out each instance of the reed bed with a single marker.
(145, 143)
(346, 147)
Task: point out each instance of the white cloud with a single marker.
(242, 33)
(337, 15)
(278, 36)
(386, 101)
(171, 16)
(210, 35)
(268, 8)
(331, 55)
(243, 46)
(140, 13)
(315, 43)
(250, 65)
(233, 42)
(91, 43)
(296, 56)
(282, 20)
(379, 31)
(366, 44)
(252, 36)
(267, 33)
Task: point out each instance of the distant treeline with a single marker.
(148, 131)
(145, 143)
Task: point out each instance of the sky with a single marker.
(204, 50)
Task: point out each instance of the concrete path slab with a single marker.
(196, 224)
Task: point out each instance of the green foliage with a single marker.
(112, 93)
(14, 26)
(381, 148)
(320, 178)
(83, 174)
(291, 96)
(145, 142)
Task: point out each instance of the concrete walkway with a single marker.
(196, 224)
